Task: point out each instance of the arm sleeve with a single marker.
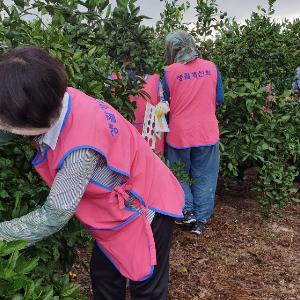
(164, 91)
(66, 192)
(220, 90)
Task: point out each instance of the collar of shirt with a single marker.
(51, 136)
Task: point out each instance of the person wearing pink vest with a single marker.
(193, 87)
(151, 87)
(98, 168)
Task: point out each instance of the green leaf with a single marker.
(10, 247)
(25, 267)
(108, 10)
(92, 51)
(285, 118)
(44, 11)
(69, 290)
(77, 55)
(249, 86)
(17, 297)
(20, 3)
(7, 273)
(48, 295)
(13, 259)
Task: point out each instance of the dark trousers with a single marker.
(109, 284)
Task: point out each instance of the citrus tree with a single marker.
(260, 121)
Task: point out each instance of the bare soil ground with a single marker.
(241, 255)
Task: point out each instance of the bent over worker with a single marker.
(98, 168)
(193, 87)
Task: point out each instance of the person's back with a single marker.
(192, 89)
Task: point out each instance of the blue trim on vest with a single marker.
(163, 212)
(149, 275)
(36, 160)
(207, 145)
(140, 199)
(137, 196)
(114, 264)
(166, 213)
(92, 181)
(95, 149)
(107, 255)
(67, 113)
(130, 219)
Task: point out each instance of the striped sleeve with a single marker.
(65, 195)
(69, 185)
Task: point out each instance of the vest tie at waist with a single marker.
(120, 193)
(124, 199)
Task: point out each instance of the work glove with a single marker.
(162, 108)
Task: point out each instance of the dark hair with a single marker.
(32, 86)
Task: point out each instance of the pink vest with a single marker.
(124, 235)
(192, 118)
(152, 89)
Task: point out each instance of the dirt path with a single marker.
(240, 256)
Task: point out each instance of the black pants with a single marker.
(109, 284)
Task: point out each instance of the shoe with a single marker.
(198, 228)
(188, 218)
